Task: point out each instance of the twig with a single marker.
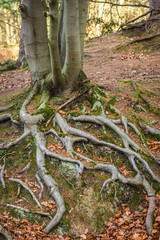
(27, 188)
(6, 155)
(68, 181)
(66, 103)
(28, 210)
(142, 39)
(139, 94)
(25, 169)
(120, 5)
(41, 185)
(19, 190)
(143, 15)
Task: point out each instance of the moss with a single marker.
(47, 112)
(96, 111)
(112, 101)
(74, 113)
(120, 89)
(96, 95)
(10, 64)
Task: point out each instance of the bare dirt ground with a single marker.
(110, 69)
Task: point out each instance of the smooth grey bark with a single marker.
(56, 61)
(35, 38)
(62, 36)
(58, 78)
(154, 4)
(21, 57)
(72, 62)
(83, 12)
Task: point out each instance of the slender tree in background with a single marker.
(154, 4)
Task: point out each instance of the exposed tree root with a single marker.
(139, 94)
(18, 140)
(27, 188)
(25, 169)
(66, 103)
(2, 175)
(139, 179)
(139, 24)
(28, 210)
(129, 150)
(41, 185)
(4, 234)
(5, 117)
(148, 129)
(2, 109)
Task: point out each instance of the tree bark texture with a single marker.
(35, 38)
(72, 63)
(154, 4)
(60, 56)
(21, 58)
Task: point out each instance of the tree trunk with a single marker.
(61, 56)
(21, 57)
(35, 39)
(83, 12)
(154, 4)
(72, 63)
(58, 78)
(62, 37)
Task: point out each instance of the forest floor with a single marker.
(109, 68)
(112, 70)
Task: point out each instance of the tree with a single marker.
(56, 65)
(154, 4)
(44, 60)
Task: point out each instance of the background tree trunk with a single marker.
(154, 4)
(21, 57)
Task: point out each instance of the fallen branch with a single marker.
(120, 5)
(142, 39)
(27, 188)
(143, 15)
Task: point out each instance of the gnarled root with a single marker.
(8, 116)
(129, 150)
(18, 140)
(4, 234)
(139, 179)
